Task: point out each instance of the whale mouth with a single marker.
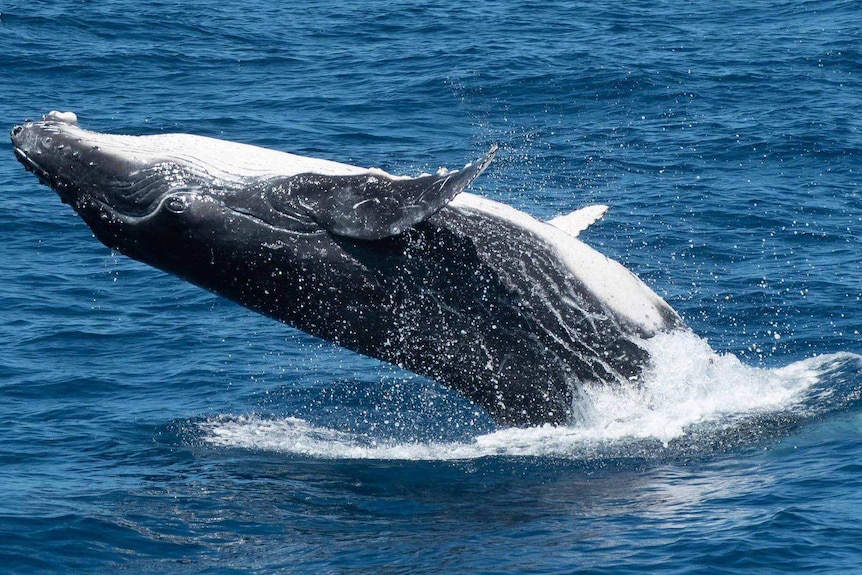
(45, 177)
(33, 166)
(29, 163)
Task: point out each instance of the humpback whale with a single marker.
(512, 312)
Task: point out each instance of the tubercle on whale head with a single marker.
(65, 117)
(69, 118)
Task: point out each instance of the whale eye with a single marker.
(176, 204)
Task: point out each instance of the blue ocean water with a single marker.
(149, 426)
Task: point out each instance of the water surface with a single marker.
(147, 425)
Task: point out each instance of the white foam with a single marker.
(689, 388)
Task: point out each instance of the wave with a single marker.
(692, 400)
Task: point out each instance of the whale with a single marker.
(516, 314)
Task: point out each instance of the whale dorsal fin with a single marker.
(579, 220)
(375, 205)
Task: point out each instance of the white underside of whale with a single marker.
(622, 291)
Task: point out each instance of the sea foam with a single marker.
(688, 391)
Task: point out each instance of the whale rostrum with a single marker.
(514, 313)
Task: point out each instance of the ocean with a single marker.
(148, 426)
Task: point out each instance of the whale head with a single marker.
(83, 168)
(137, 196)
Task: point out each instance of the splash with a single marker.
(691, 396)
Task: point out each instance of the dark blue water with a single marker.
(148, 426)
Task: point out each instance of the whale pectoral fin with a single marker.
(579, 220)
(375, 205)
